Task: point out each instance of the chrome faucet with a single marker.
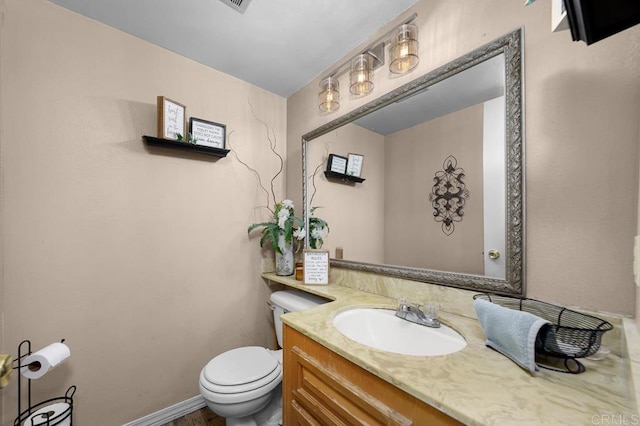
(412, 313)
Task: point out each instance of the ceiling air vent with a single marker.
(239, 5)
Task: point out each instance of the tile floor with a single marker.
(202, 417)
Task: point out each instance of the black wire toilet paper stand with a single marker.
(47, 418)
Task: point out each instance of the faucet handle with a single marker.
(403, 308)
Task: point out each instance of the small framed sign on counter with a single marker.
(316, 266)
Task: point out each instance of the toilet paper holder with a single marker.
(46, 417)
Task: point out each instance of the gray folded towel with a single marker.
(512, 333)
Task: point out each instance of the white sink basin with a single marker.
(381, 329)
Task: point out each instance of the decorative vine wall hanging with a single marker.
(448, 195)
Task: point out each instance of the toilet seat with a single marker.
(244, 385)
(240, 370)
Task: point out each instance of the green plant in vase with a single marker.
(318, 229)
(283, 233)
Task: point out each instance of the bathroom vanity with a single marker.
(323, 387)
(327, 374)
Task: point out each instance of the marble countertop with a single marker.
(477, 385)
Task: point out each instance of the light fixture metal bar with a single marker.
(375, 49)
(377, 54)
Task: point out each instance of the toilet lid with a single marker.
(241, 366)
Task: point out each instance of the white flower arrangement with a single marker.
(284, 221)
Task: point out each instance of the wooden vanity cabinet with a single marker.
(322, 388)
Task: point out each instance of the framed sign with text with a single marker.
(354, 165)
(208, 133)
(171, 119)
(337, 164)
(316, 266)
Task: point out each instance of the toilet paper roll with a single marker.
(39, 363)
(58, 414)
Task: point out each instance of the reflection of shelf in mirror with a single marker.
(185, 146)
(343, 177)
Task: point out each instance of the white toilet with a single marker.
(243, 384)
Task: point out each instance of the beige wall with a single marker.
(413, 156)
(581, 107)
(137, 256)
(637, 293)
(366, 219)
(354, 211)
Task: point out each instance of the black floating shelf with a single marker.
(343, 177)
(185, 146)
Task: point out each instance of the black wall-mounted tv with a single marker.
(593, 20)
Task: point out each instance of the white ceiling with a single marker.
(279, 45)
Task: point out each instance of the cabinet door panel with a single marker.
(301, 417)
(321, 387)
(341, 401)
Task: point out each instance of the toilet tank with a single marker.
(290, 301)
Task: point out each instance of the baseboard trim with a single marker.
(170, 413)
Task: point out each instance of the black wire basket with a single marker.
(570, 335)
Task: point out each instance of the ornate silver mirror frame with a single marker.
(511, 46)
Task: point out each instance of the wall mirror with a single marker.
(457, 128)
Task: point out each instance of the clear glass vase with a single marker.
(285, 264)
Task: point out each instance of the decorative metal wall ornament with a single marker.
(448, 195)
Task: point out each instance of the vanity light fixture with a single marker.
(361, 74)
(404, 49)
(404, 55)
(329, 94)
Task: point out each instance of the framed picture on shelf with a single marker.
(337, 164)
(316, 266)
(354, 164)
(208, 133)
(171, 119)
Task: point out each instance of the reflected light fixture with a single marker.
(361, 74)
(329, 99)
(404, 49)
